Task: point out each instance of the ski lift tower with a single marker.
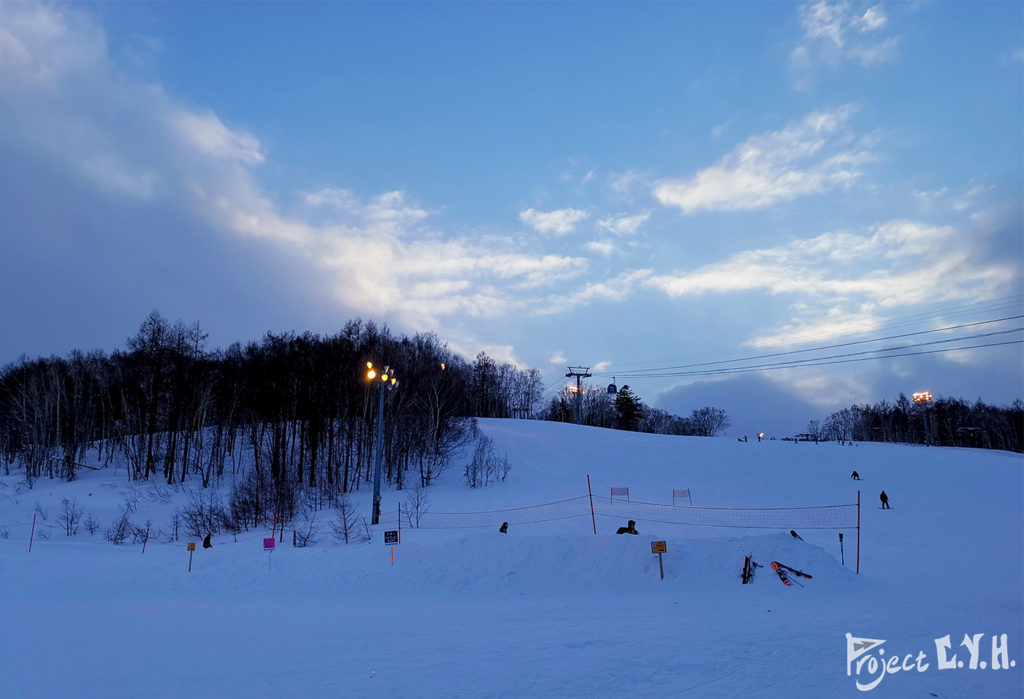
(580, 372)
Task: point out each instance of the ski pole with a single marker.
(842, 556)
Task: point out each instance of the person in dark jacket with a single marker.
(885, 501)
(504, 528)
(206, 542)
(628, 529)
(855, 476)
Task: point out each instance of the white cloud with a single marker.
(559, 222)
(602, 247)
(623, 224)
(208, 135)
(624, 186)
(11, 50)
(558, 359)
(897, 264)
(834, 32)
(872, 19)
(719, 129)
(61, 94)
(615, 289)
(815, 154)
(333, 197)
(602, 366)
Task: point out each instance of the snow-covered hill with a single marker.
(548, 609)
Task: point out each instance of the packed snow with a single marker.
(549, 609)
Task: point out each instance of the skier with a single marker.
(885, 501)
(795, 535)
(628, 529)
(206, 542)
(855, 476)
(504, 528)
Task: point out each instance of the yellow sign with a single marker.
(659, 547)
(191, 546)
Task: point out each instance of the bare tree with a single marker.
(708, 422)
(69, 516)
(346, 519)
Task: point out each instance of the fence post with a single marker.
(858, 532)
(33, 534)
(591, 494)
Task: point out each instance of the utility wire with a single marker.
(637, 373)
(821, 361)
(1004, 305)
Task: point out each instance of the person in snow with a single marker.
(206, 542)
(504, 528)
(885, 501)
(630, 528)
(855, 476)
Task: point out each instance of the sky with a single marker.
(637, 188)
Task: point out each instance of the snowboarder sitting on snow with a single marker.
(206, 542)
(628, 529)
(855, 476)
(885, 501)
(504, 528)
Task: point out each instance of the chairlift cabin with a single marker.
(611, 387)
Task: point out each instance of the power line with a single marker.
(1005, 305)
(822, 361)
(637, 373)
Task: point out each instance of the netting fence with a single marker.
(785, 518)
(821, 517)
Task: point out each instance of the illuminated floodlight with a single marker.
(922, 397)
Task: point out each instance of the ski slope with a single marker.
(549, 609)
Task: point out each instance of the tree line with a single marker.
(948, 422)
(299, 408)
(624, 410)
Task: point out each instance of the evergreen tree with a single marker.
(629, 409)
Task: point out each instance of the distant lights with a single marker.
(922, 397)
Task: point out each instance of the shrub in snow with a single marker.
(120, 529)
(417, 503)
(345, 521)
(485, 467)
(205, 514)
(70, 515)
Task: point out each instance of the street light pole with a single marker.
(378, 453)
(388, 381)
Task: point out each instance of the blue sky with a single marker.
(621, 186)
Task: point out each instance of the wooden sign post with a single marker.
(660, 547)
(268, 546)
(391, 538)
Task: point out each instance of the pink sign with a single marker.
(268, 543)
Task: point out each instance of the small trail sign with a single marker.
(191, 546)
(391, 536)
(191, 549)
(660, 547)
(268, 546)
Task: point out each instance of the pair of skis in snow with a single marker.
(783, 571)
